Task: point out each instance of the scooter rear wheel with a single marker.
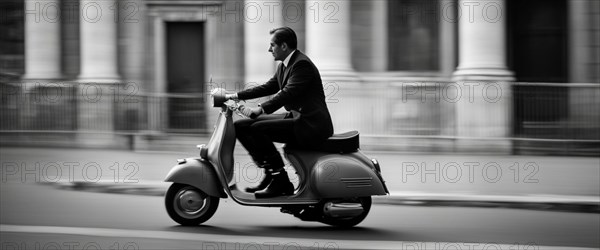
(188, 205)
(350, 221)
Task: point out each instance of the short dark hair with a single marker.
(285, 35)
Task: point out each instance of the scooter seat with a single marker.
(341, 143)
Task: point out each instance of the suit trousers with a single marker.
(257, 136)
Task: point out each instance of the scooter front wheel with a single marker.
(188, 205)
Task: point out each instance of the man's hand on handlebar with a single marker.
(251, 112)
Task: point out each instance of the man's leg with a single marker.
(247, 138)
(259, 156)
(264, 133)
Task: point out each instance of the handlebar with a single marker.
(219, 100)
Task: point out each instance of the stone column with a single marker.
(482, 41)
(328, 39)
(98, 79)
(448, 18)
(98, 32)
(259, 18)
(379, 35)
(581, 43)
(40, 85)
(484, 109)
(42, 40)
(584, 62)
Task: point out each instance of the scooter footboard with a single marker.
(198, 173)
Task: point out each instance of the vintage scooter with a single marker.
(336, 180)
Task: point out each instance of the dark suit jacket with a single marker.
(300, 90)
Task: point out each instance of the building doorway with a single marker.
(537, 53)
(185, 76)
(538, 40)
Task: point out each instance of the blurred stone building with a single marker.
(448, 75)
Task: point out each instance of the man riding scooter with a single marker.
(297, 87)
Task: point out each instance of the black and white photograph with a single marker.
(300, 124)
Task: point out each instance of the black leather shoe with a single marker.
(280, 185)
(263, 184)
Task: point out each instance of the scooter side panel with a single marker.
(345, 176)
(197, 173)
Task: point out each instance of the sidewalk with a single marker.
(561, 183)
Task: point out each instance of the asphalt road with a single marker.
(35, 216)
(425, 173)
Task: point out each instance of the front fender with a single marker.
(197, 173)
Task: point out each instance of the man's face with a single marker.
(279, 52)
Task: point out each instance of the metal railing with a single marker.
(564, 117)
(66, 109)
(555, 117)
(557, 111)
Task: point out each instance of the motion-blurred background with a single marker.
(472, 108)
(497, 76)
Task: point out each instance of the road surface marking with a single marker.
(273, 241)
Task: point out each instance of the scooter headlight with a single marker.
(218, 97)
